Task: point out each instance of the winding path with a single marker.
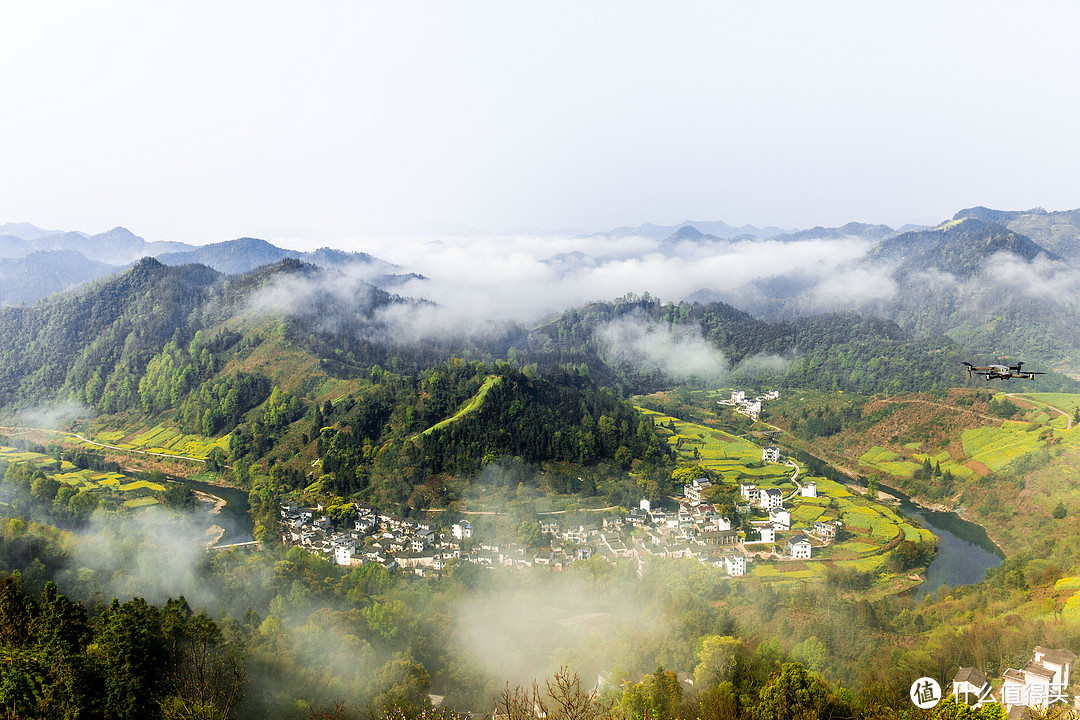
(1068, 417)
(794, 479)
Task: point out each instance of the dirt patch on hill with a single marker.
(935, 424)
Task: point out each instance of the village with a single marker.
(760, 530)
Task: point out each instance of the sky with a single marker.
(330, 122)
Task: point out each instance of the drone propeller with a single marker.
(969, 366)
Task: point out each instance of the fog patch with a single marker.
(1042, 278)
(52, 416)
(679, 352)
(761, 365)
(150, 553)
(853, 287)
(525, 278)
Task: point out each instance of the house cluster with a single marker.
(695, 530)
(1037, 686)
(394, 541)
(771, 500)
(751, 407)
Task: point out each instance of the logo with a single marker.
(925, 693)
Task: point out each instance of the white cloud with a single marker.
(679, 351)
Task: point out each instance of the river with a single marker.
(965, 552)
(233, 517)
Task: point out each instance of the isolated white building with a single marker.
(461, 531)
(809, 489)
(799, 547)
(735, 565)
(770, 454)
(343, 554)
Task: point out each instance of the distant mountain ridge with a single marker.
(960, 247)
(717, 228)
(245, 254)
(36, 263)
(1058, 232)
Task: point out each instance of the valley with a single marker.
(738, 481)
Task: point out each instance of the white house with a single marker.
(799, 547)
(735, 565)
(693, 490)
(780, 519)
(738, 396)
(809, 490)
(772, 395)
(770, 454)
(825, 529)
(749, 492)
(343, 554)
(768, 534)
(645, 504)
(968, 682)
(771, 498)
(462, 531)
(1059, 661)
(753, 409)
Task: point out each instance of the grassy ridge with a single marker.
(472, 406)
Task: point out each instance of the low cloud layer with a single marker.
(479, 285)
(678, 352)
(52, 416)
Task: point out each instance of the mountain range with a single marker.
(36, 263)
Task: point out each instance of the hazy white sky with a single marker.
(204, 121)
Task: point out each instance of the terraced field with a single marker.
(166, 441)
(720, 452)
(131, 491)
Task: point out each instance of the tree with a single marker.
(872, 486)
(793, 694)
(563, 699)
(717, 656)
(179, 497)
(1060, 511)
(207, 677)
(656, 697)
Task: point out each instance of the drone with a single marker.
(1002, 372)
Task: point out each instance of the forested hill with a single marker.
(289, 361)
(102, 338)
(95, 346)
(1058, 232)
(960, 247)
(387, 440)
(834, 351)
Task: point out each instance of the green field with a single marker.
(996, 447)
(133, 492)
(719, 451)
(1069, 402)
